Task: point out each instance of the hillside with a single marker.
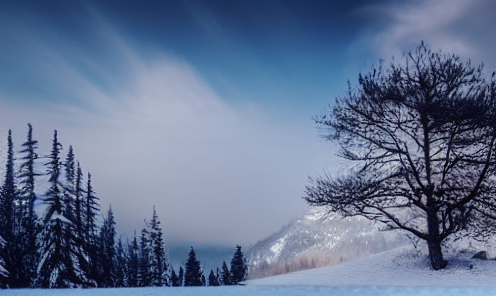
(317, 239)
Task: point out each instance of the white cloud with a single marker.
(459, 26)
(157, 134)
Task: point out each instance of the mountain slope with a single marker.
(317, 239)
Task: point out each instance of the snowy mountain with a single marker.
(317, 239)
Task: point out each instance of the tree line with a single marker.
(72, 244)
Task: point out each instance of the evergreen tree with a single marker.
(91, 209)
(133, 263)
(58, 267)
(193, 274)
(174, 278)
(107, 251)
(145, 277)
(29, 220)
(181, 276)
(212, 279)
(238, 267)
(73, 242)
(121, 276)
(8, 219)
(226, 275)
(158, 265)
(203, 280)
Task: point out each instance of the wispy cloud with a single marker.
(152, 131)
(461, 26)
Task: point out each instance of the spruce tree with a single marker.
(29, 220)
(238, 267)
(107, 251)
(193, 274)
(58, 267)
(133, 263)
(212, 279)
(145, 277)
(158, 264)
(226, 275)
(121, 276)
(8, 219)
(181, 276)
(174, 278)
(91, 209)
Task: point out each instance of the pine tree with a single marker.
(29, 223)
(121, 276)
(193, 274)
(9, 198)
(58, 267)
(226, 275)
(212, 279)
(107, 251)
(144, 258)
(238, 267)
(133, 263)
(181, 276)
(91, 209)
(158, 265)
(174, 278)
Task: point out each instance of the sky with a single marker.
(204, 108)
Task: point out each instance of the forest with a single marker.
(53, 234)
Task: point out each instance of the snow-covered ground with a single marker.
(395, 272)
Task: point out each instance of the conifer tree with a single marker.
(212, 279)
(58, 267)
(91, 208)
(144, 259)
(238, 267)
(107, 251)
(29, 220)
(193, 274)
(158, 265)
(133, 263)
(11, 211)
(226, 275)
(174, 278)
(121, 276)
(181, 276)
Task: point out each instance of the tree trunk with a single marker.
(436, 255)
(434, 243)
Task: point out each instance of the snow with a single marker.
(396, 272)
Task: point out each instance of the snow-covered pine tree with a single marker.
(238, 267)
(133, 263)
(158, 258)
(212, 279)
(58, 267)
(10, 211)
(73, 242)
(225, 275)
(107, 251)
(29, 223)
(193, 274)
(144, 274)
(91, 209)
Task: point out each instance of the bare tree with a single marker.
(420, 139)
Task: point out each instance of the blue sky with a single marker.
(203, 107)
